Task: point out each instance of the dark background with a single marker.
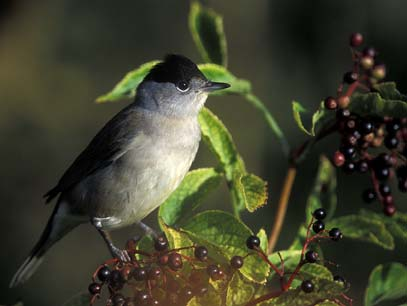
(56, 57)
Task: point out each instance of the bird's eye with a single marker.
(183, 86)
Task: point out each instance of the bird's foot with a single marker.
(120, 254)
(148, 230)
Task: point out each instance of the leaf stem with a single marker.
(282, 208)
(257, 103)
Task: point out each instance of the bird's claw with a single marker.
(122, 255)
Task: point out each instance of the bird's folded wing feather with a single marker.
(107, 146)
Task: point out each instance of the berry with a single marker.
(389, 210)
(393, 126)
(318, 226)
(154, 273)
(391, 142)
(366, 127)
(103, 274)
(236, 262)
(356, 39)
(201, 253)
(118, 299)
(369, 195)
(342, 114)
(187, 293)
(129, 302)
(350, 125)
(367, 62)
(335, 234)
(163, 260)
(339, 159)
(319, 214)
(369, 51)
(161, 243)
(94, 288)
(343, 102)
(338, 278)
(349, 167)
(351, 140)
(116, 279)
(311, 256)
(175, 261)
(363, 166)
(253, 242)
(350, 77)
(330, 103)
(142, 298)
(382, 173)
(307, 286)
(348, 151)
(140, 274)
(388, 200)
(379, 71)
(384, 160)
(212, 271)
(384, 189)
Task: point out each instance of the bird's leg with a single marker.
(115, 251)
(146, 231)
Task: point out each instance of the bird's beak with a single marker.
(212, 86)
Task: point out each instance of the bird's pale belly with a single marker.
(126, 192)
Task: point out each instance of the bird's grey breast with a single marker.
(153, 163)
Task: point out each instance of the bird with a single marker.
(133, 163)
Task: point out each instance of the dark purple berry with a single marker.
(187, 293)
(318, 226)
(330, 103)
(118, 300)
(116, 279)
(393, 126)
(349, 167)
(161, 243)
(350, 125)
(369, 51)
(335, 234)
(236, 262)
(350, 77)
(142, 298)
(389, 210)
(307, 286)
(355, 40)
(253, 242)
(103, 274)
(384, 189)
(348, 151)
(366, 127)
(175, 261)
(391, 142)
(382, 173)
(201, 253)
(362, 166)
(212, 271)
(311, 256)
(154, 273)
(94, 288)
(140, 274)
(388, 200)
(369, 195)
(342, 114)
(319, 213)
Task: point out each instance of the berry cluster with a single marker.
(308, 255)
(163, 277)
(363, 139)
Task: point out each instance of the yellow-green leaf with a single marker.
(298, 109)
(239, 291)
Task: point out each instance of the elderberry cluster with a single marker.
(369, 144)
(163, 277)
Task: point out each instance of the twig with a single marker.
(282, 208)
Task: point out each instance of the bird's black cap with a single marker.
(175, 68)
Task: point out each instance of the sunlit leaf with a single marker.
(298, 109)
(239, 291)
(206, 27)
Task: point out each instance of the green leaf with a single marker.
(219, 73)
(239, 291)
(251, 190)
(221, 230)
(80, 299)
(327, 303)
(372, 104)
(386, 282)
(323, 289)
(212, 297)
(313, 271)
(262, 235)
(207, 31)
(388, 90)
(396, 225)
(126, 88)
(182, 203)
(298, 109)
(219, 140)
(322, 195)
(176, 238)
(291, 259)
(272, 123)
(362, 228)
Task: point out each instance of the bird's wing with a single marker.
(107, 146)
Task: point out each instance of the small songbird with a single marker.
(135, 161)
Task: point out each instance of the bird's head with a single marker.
(176, 87)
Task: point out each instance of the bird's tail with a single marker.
(56, 228)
